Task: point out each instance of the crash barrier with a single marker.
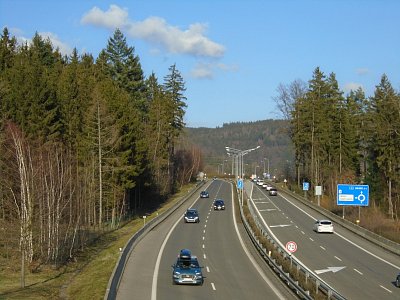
(361, 231)
(113, 283)
(320, 285)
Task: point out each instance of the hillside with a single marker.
(272, 135)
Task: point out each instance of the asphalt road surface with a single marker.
(355, 267)
(231, 267)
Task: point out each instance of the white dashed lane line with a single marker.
(338, 258)
(213, 286)
(358, 272)
(322, 248)
(385, 289)
(208, 269)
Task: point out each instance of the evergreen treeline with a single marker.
(350, 139)
(84, 144)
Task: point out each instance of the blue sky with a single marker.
(232, 54)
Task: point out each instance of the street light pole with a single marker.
(238, 154)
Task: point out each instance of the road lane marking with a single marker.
(213, 286)
(303, 232)
(311, 240)
(208, 269)
(158, 261)
(203, 246)
(203, 238)
(358, 272)
(204, 256)
(282, 225)
(322, 248)
(385, 289)
(338, 258)
(256, 266)
(344, 238)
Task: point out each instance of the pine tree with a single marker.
(385, 119)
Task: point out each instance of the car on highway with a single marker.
(204, 194)
(219, 204)
(397, 282)
(273, 192)
(268, 187)
(323, 226)
(191, 216)
(186, 269)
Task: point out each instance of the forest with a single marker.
(350, 139)
(86, 144)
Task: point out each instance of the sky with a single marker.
(232, 54)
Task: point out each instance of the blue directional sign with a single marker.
(306, 186)
(240, 184)
(350, 194)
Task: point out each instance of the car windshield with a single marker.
(191, 213)
(326, 223)
(219, 202)
(186, 263)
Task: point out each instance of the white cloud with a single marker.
(206, 70)
(362, 71)
(114, 17)
(352, 86)
(63, 47)
(157, 31)
(202, 71)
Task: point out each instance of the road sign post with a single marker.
(306, 187)
(352, 195)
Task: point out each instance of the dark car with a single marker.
(273, 192)
(204, 194)
(191, 216)
(397, 282)
(219, 204)
(187, 270)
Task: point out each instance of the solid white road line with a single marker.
(256, 266)
(157, 266)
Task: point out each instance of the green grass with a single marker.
(87, 278)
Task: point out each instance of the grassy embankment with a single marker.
(86, 278)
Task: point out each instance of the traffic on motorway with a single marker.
(354, 267)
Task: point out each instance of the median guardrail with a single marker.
(320, 285)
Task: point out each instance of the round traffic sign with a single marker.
(291, 246)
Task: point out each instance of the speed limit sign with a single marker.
(291, 246)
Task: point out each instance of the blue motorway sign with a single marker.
(306, 186)
(350, 194)
(240, 184)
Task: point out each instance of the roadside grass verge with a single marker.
(85, 278)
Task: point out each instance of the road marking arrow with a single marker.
(283, 225)
(329, 269)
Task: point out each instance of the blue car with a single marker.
(191, 216)
(204, 194)
(187, 270)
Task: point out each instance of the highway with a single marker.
(231, 268)
(354, 267)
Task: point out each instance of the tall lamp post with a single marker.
(238, 155)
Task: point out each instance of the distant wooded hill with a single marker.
(276, 149)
